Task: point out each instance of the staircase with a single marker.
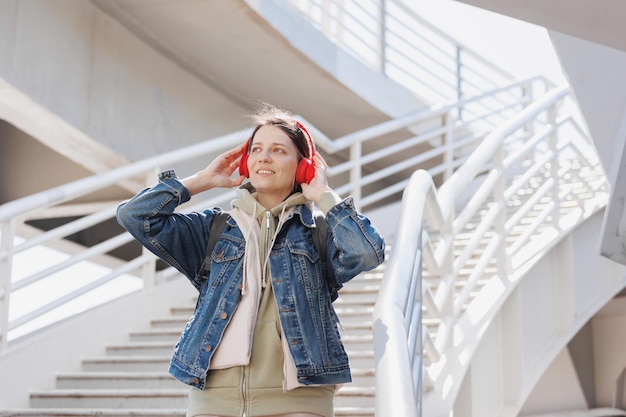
(131, 379)
(519, 194)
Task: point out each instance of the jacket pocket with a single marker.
(227, 259)
(306, 264)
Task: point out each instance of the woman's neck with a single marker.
(269, 201)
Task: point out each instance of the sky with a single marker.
(521, 48)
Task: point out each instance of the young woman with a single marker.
(263, 340)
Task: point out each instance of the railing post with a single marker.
(503, 262)
(355, 172)
(448, 143)
(148, 269)
(459, 81)
(528, 97)
(7, 239)
(553, 141)
(383, 37)
(327, 21)
(444, 296)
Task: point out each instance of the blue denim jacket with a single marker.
(302, 295)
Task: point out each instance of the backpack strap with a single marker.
(217, 227)
(320, 236)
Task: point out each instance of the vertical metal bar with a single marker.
(448, 143)
(553, 141)
(355, 172)
(341, 11)
(459, 81)
(383, 37)
(419, 357)
(148, 269)
(502, 260)
(7, 238)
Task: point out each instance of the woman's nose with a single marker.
(264, 155)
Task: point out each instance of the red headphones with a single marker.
(306, 167)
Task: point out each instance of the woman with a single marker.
(263, 340)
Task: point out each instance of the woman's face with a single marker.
(272, 164)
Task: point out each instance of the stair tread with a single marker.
(92, 412)
(159, 343)
(59, 412)
(108, 392)
(97, 386)
(114, 374)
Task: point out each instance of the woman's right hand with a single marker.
(218, 173)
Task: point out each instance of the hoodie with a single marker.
(260, 227)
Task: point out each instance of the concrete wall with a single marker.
(62, 346)
(74, 60)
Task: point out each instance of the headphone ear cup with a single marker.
(243, 162)
(305, 171)
(243, 166)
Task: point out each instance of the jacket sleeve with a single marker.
(178, 239)
(354, 244)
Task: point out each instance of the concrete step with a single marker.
(362, 377)
(354, 412)
(93, 412)
(361, 359)
(131, 378)
(146, 348)
(350, 396)
(110, 398)
(347, 311)
(356, 298)
(126, 363)
(358, 342)
(155, 335)
(145, 412)
(120, 380)
(358, 289)
(157, 380)
(170, 322)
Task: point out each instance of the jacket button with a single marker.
(209, 348)
(240, 286)
(196, 381)
(223, 315)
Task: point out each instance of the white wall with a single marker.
(596, 74)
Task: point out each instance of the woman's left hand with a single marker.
(319, 184)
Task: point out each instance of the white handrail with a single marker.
(392, 38)
(66, 192)
(364, 168)
(504, 170)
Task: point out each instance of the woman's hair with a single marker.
(267, 114)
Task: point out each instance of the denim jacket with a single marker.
(301, 292)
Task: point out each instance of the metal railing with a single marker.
(392, 38)
(433, 138)
(482, 223)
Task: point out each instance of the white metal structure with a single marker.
(528, 184)
(448, 144)
(502, 167)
